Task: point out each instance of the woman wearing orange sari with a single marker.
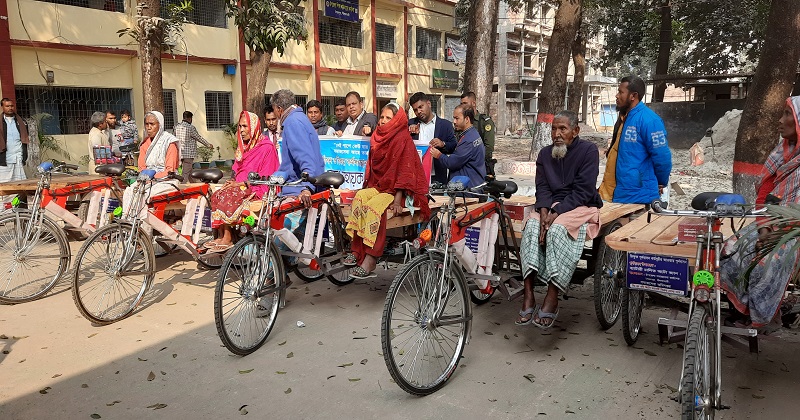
(394, 180)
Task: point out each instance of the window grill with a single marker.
(219, 109)
(300, 100)
(204, 12)
(409, 38)
(434, 103)
(329, 103)
(384, 38)
(340, 32)
(70, 107)
(170, 110)
(107, 5)
(429, 44)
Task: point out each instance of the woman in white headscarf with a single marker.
(160, 151)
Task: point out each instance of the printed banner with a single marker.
(658, 273)
(342, 9)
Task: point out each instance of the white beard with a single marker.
(559, 151)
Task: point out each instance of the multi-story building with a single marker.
(64, 58)
(522, 48)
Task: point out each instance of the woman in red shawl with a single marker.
(394, 181)
(255, 153)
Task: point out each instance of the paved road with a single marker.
(60, 366)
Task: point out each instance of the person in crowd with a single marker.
(485, 126)
(567, 211)
(300, 152)
(97, 136)
(759, 294)
(271, 122)
(394, 181)
(427, 129)
(13, 143)
(130, 132)
(160, 151)
(340, 113)
(255, 153)
(113, 132)
(467, 158)
(188, 136)
(360, 122)
(639, 160)
(315, 115)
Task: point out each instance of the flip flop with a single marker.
(349, 260)
(359, 273)
(529, 313)
(220, 248)
(545, 315)
(209, 244)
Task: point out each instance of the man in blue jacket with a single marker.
(639, 160)
(468, 157)
(427, 129)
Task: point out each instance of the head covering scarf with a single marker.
(255, 134)
(394, 163)
(784, 161)
(157, 150)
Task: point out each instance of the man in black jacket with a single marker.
(567, 213)
(13, 143)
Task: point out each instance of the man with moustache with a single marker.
(567, 212)
(638, 161)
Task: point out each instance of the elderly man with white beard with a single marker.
(567, 211)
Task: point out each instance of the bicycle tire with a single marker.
(425, 271)
(309, 275)
(244, 262)
(97, 259)
(20, 282)
(632, 306)
(479, 298)
(210, 260)
(607, 288)
(697, 382)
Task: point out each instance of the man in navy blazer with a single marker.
(428, 129)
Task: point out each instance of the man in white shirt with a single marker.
(271, 122)
(361, 122)
(429, 130)
(13, 143)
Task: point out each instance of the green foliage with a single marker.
(268, 25)
(47, 143)
(205, 153)
(230, 134)
(171, 27)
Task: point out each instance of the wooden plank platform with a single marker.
(28, 186)
(609, 213)
(405, 218)
(659, 236)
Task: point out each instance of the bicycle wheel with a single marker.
(697, 382)
(632, 305)
(608, 277)
(425, 325)
(251, 276)
(113, 272)
(30, 265)
(210, 260)
(479, 298)
(309, 275)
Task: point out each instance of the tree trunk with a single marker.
(579, 63)
(554, 85)
(664, 50)
(259, 70)
(772, 84)
(151, 36)
(481, 47)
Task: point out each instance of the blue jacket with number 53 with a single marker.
(644, 160)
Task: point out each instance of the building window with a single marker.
(204, 13)
(384, 38)
(434, 104)
(219, 110)
(107, 5)
(340, 32)
(170, 110)
(429, 44)
(70, 107)
(409, 38)
(329, 103)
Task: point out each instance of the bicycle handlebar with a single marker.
(720, 211)
(276, 179)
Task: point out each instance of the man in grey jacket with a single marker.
(188, 135)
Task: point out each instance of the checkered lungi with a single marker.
(555, 263)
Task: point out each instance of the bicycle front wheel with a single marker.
(248, 295)
(425, 324)
(699, 357)
(113, 271)
(31, 262)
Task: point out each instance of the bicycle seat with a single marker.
(328, 179)
(207, 175)
(505, 188)
(709, 200)
(111, 169)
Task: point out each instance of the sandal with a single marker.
(526, 313)
(349, 260)
(545, 315)
(210, 244)
(359, 273)
(220, 248)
